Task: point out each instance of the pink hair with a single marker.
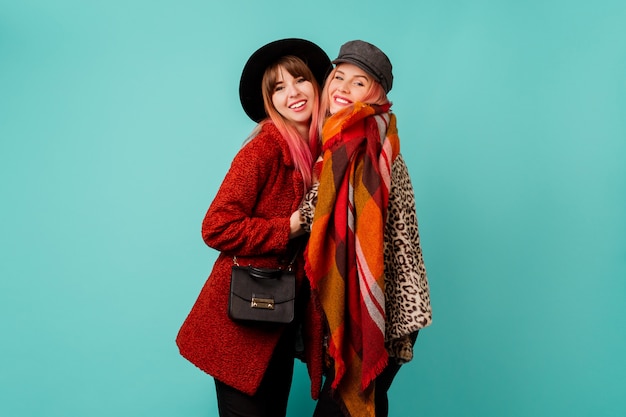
(304, 151)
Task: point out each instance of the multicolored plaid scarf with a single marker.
(344, 257)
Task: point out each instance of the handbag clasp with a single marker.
(264, 303)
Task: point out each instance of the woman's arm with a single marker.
(250, 214)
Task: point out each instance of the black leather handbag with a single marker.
(262, 294)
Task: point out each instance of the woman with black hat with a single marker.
(363, 257)
(254, 217)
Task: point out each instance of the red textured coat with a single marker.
(249, 218)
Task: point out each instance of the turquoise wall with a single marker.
(118, 121)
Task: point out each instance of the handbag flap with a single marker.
(276, 284)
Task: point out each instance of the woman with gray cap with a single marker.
(364, 261)
(254, 217)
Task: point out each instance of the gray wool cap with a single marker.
(370, 59)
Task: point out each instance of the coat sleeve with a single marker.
(232, 224)
(407, 294)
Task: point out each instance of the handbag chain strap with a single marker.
(289, 266)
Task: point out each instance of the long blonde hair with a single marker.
(304, 151)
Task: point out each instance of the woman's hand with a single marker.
(295, 225)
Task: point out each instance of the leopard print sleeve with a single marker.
(307, 208)
(407, 295)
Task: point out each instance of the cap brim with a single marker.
(358, 63)
(252, 75)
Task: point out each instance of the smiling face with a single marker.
(348, 85)
(293, 97)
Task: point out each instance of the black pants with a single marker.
(327, 406)
(271, 398)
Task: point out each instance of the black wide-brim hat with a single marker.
(250, 92)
